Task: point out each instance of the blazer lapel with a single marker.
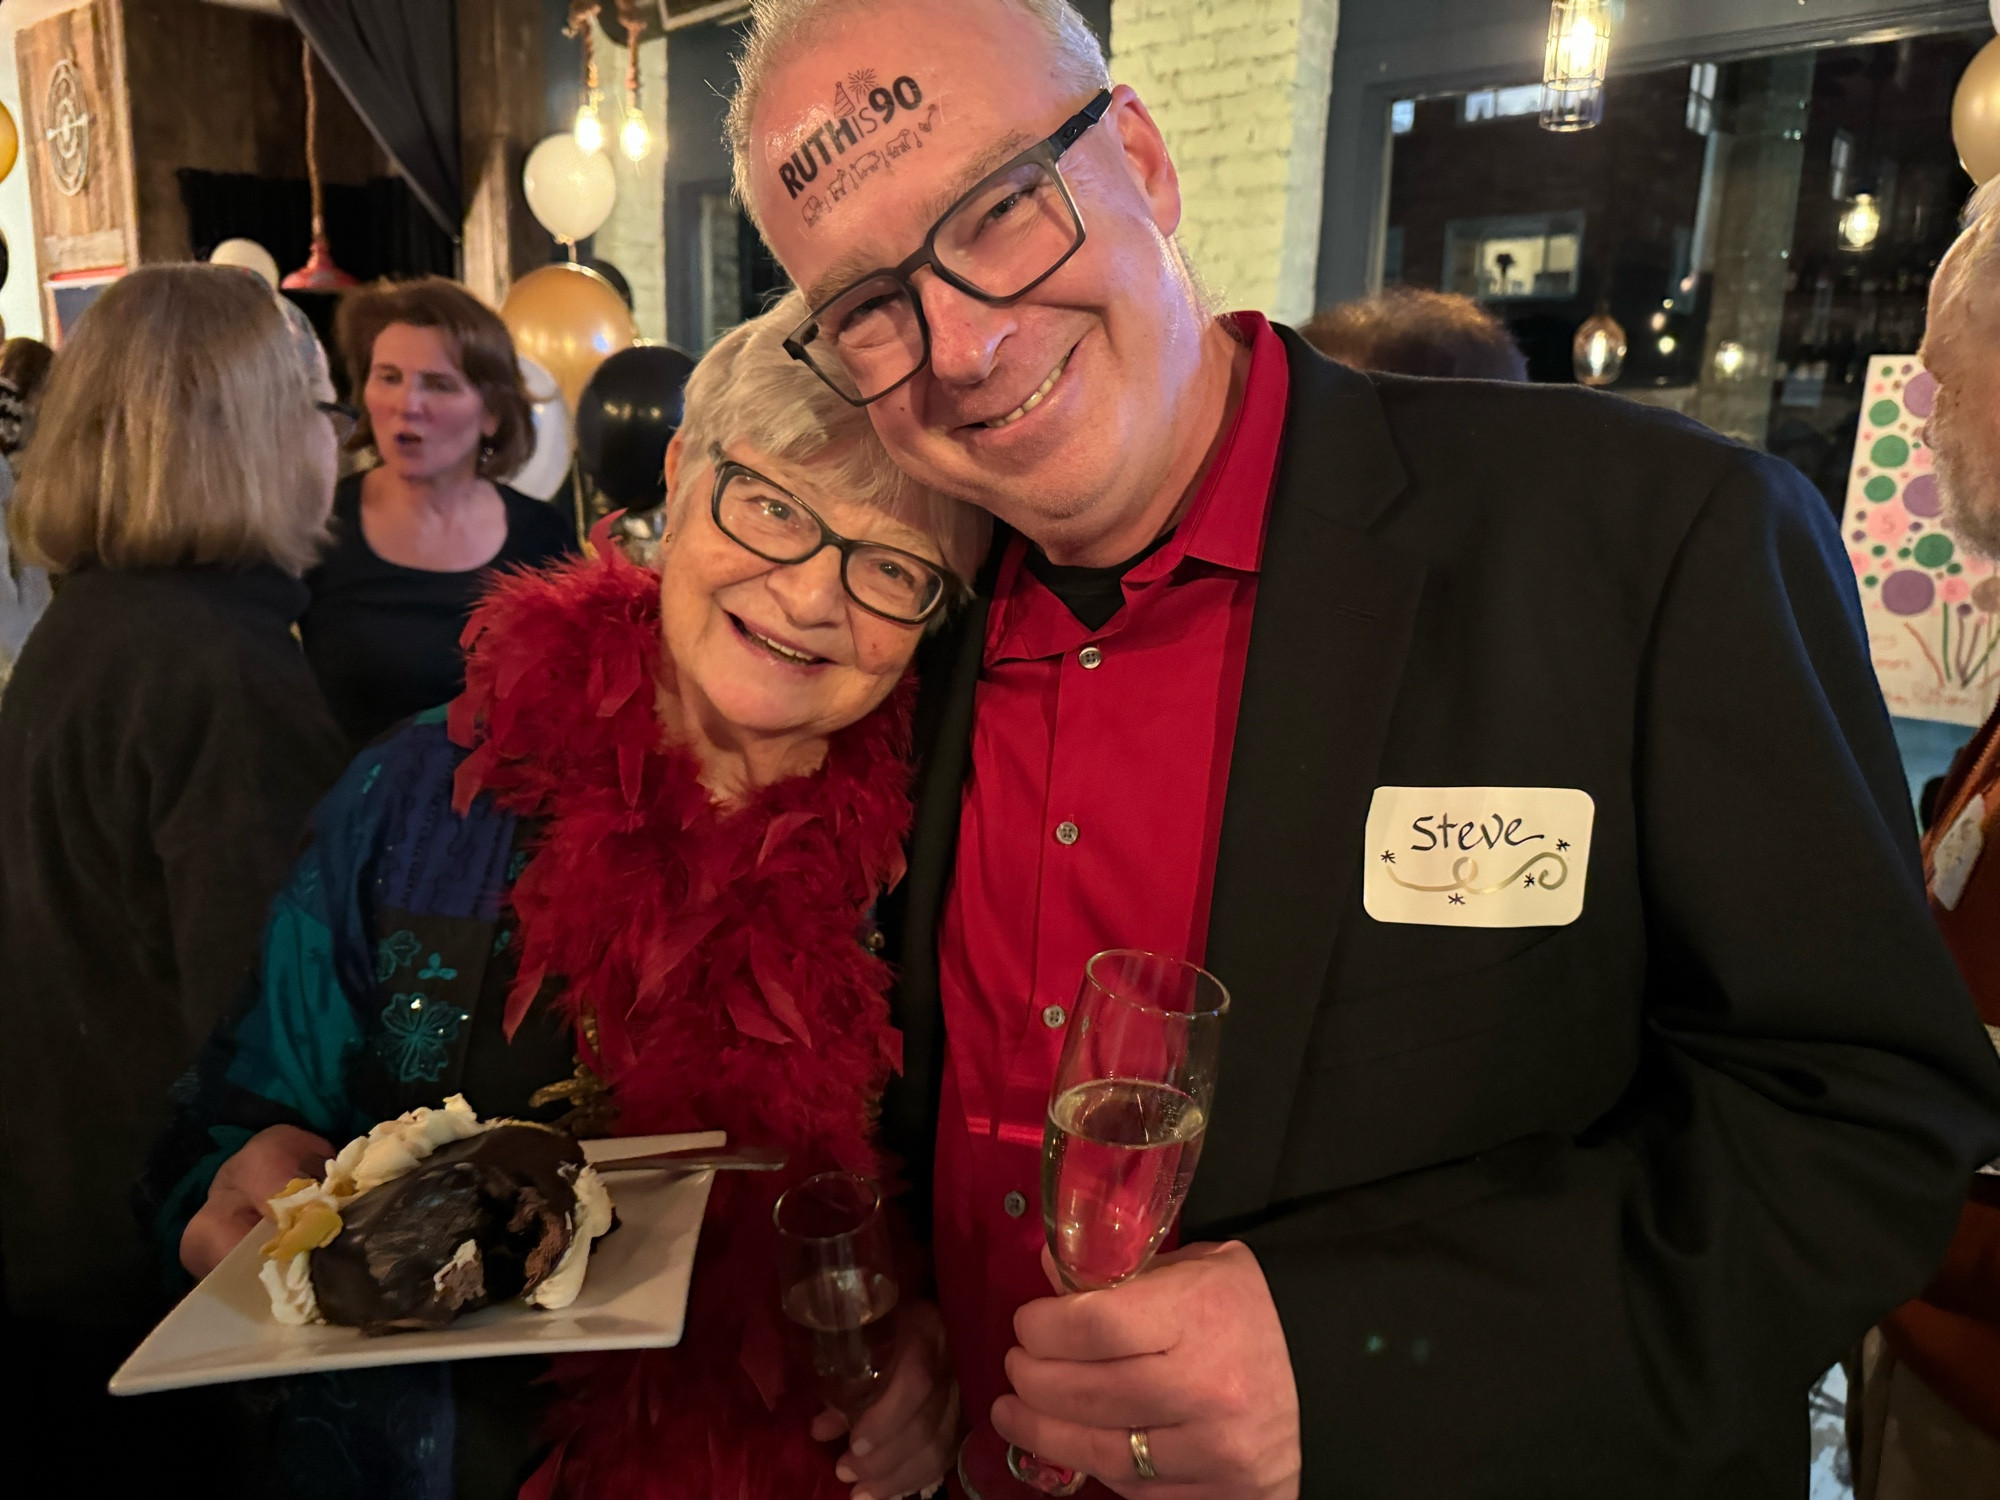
(1332, 623)
(948, 671)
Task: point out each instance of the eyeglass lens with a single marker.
(1000, 240)
(758, 515)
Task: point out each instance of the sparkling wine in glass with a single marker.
(1127, 1112)
(837, 1287)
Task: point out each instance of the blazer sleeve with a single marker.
(1641, 1309)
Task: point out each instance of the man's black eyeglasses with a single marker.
(770, 521)
(1000, 241)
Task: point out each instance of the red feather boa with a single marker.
(720, 953)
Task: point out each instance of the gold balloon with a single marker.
(1975, 114)
(568, 320)
(10, 142)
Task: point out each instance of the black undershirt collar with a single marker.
(1093, 595)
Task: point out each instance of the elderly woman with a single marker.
(162, 744)
(417, 537)
(637, 862)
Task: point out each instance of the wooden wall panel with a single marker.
(92, 225)
(223, 90)
(501, 116)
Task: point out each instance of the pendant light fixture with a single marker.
(1861, 224)
(1597, 353)
(589, 126)
(635, 137)
(319, 273)
(1574, 63)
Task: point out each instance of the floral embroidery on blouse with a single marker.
(436, 969)
(396, 951)
(417, 1033)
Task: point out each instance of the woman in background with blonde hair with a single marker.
(161, 744)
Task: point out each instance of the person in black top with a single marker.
(416, 538)
(162, 743)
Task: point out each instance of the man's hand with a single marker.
(243, 1187)
(1191, 1351)
(905, 1442)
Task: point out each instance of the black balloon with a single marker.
(626, 417)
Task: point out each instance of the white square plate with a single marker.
(635, 1297)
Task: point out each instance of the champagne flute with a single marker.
(837, 1287)
(1127, 1113)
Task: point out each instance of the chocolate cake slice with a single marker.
(480, 1220)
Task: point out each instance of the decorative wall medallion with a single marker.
(68, 132)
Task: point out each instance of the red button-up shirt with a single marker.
(1100, 761)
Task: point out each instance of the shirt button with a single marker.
(1066, 832)
(1053, 1016)
(1090, 658)
(1015, 1205)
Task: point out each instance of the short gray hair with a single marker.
(748, 389)
(1979, 220)
(779, 26)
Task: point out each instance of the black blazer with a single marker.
(1574, 1210)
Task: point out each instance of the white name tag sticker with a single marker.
(1477, 856)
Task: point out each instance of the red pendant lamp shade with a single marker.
(319, 273)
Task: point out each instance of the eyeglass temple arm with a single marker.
(1081, 121)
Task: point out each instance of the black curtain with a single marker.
(379, 229)
(396, 60)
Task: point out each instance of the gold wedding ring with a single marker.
(1142, 1454)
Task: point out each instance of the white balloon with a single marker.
(570, 191)
(542, 475)
(248, 255)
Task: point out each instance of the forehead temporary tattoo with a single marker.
(863, 106)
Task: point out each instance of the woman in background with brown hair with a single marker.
(416, 538)
(162, 743)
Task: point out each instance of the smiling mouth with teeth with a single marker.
(1036, 399)
(777, 648)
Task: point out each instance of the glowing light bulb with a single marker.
(634, 138)
(1598, 352)
(1659, 321)
(589, 130)
(1730, 358)
(1668, 343)
(1862, 222)
(1579, 48)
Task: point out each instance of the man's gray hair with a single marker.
(1979, 230)
(747, 389)
(779, 26)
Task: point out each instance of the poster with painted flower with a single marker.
(1932, 608)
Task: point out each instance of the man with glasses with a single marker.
(1513, 755)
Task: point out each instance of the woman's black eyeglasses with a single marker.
(763, 518)
(1012, 232)
(345, 419)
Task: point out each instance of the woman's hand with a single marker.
(243, 1186)
(906, 1442)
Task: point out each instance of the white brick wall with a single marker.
(1239, 88)
(634, 237)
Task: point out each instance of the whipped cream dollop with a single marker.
(590, 1218)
